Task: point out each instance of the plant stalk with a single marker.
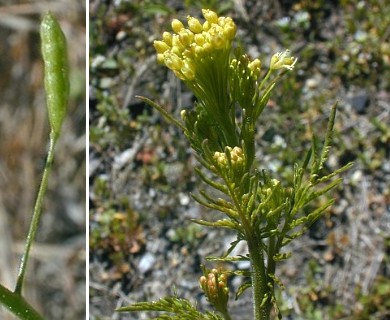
(36, 214)
(261, 309)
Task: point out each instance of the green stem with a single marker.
(36, 215)
(17, 305)
(261, 310)
(226, 315)
(264, 80)
(271, 252)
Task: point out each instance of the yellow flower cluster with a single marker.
(182, 50)
(215, 286)
(236, 157)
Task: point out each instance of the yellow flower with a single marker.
(282, 60)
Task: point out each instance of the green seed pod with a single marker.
(55, 60)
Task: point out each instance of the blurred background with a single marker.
(142, 171)
(55, 281)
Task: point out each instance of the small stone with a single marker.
(360, 103)
(356, 177)
(121, 35)
(312, 83)
(146, 263)
(124, 158)
(184, 199)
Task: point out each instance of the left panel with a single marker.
(55, 278)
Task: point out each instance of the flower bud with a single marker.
(177, 25)
(175, 50)
(186, 37)
(189, 53)
(194, 25)
(206, 26)
(207, 47)
(183, 114)
(167, 38)
(253, 65)
(177, 43)
(160, 46)
(160, 58)
(221, 21)
(188, 71)
(202, 279)
(220, 158)
(229, 31)
(172, 61)
(237, 156)
(210, 16)
(218, 41)
(199, 39)
(199, 51)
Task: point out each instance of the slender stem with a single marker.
(264, 80)
(36, 214)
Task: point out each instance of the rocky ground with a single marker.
(142, 243)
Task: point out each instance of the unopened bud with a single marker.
(188, 71)
(194, 25)
(173, 62)
(177, 25)
(160, 46)
(210, 16)
(167, 37)
(199, 39)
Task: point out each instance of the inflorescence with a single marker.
(181, 51)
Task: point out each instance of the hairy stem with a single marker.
(261, 291)
(261, 308)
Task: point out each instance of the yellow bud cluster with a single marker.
(214, 285)
(220, 158)
(282, 60)
(236, 157)
(182, 50)
(245, 66)
(254, 67)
